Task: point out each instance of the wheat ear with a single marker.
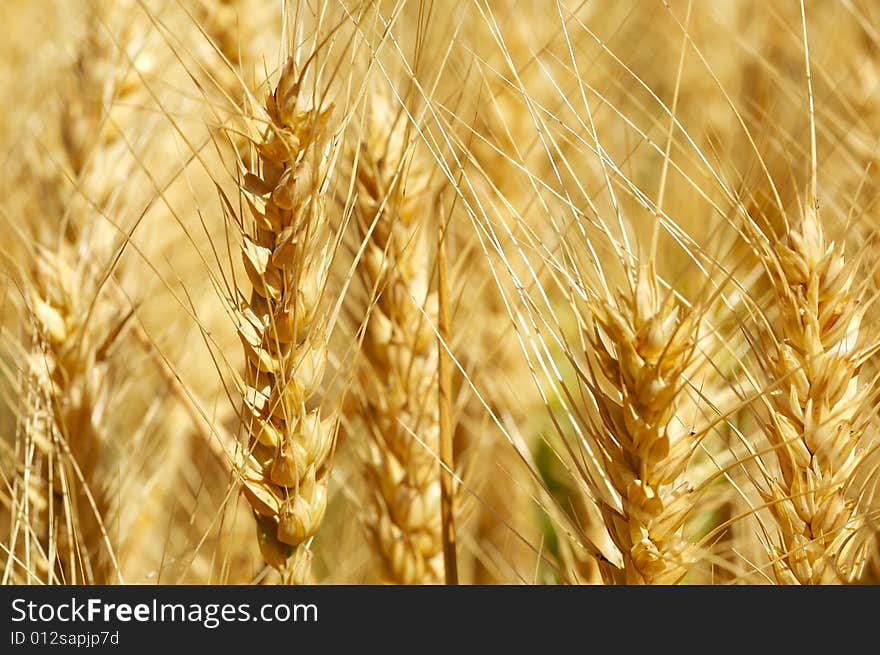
(68, 396)
(286, 256)
(400, 402)
(74, 325)
(814, 402)
(644, 344)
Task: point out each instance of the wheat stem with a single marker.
(444, 396)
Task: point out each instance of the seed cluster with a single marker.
(644, 344)
(400, 404)
(286, 256)
(814, 419)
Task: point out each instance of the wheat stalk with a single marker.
(286, 255)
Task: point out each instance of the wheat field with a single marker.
(440, 292)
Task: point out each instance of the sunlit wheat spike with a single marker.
(74, 327)
(815, 402)
(399, 378)
(644, 342)
(286, 466)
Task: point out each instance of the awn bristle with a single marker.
(812, 367)
(400, 386)
(228, 24)
(285, 336)
(644, 344)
